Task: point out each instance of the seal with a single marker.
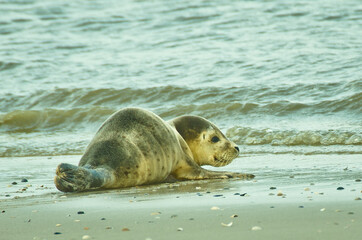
(135, 147)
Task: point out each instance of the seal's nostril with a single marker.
(237, 149)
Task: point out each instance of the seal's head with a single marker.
(208, 144)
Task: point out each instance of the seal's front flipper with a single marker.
(198, 173)
(189, 170)
(70, 178)
(213, 174)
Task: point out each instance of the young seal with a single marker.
(135, 147)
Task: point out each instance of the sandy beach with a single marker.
(276, 205)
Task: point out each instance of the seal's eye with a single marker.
(215, 139)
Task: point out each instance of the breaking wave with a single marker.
(251, 136)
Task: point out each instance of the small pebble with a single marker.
(301, 206)
(109, 228)
(358, 180)
(85, 237)
(272, 188)
(218, 195)
(234, 216)
(215, 208)
(358, 198)
(237, 194)
(125, 230)
(280, 194)
(86, 228)
(80, 212)
(3, 211)
(24, 180)
(340, 188)
(180, 229)
(306, 189)
(14, 183)
(103, 219)
(243, 195)
(323, 209)
(58, 225)
(57, 233)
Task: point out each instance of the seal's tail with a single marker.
(70, 178)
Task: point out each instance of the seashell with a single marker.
(227, 225)
(215, 208)
(256, 228)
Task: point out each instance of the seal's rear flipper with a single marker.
(70, 178)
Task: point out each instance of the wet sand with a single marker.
(295, 206)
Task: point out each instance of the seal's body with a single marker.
(135, 147)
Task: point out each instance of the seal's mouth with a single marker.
(220, 162)
(224, 158)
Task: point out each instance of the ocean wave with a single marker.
(251, 136)
(65, 108)
(50, 119)
(260, 99)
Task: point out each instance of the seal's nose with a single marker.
(237, 148)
